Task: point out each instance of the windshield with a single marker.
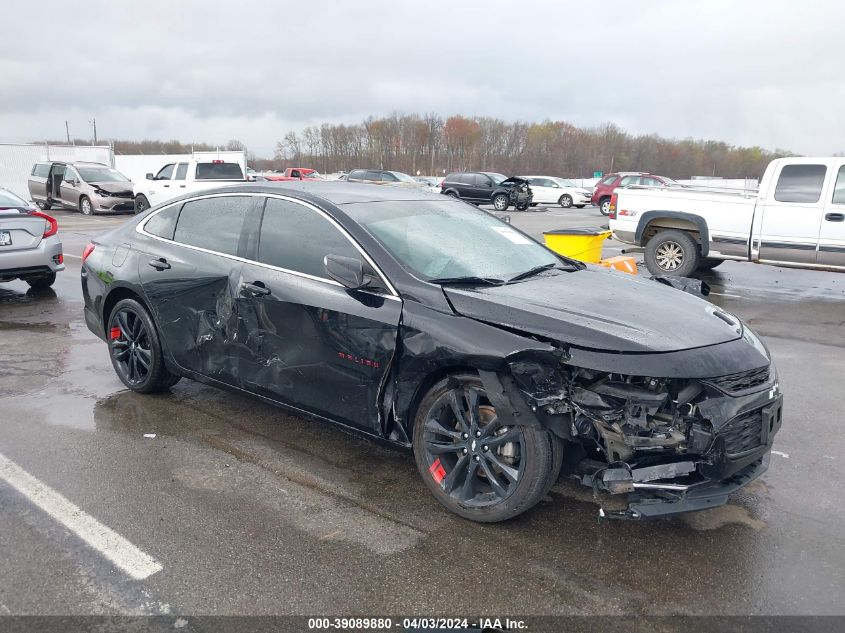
(100, 174)
(436, 239)
(497, 178)
(8, 199)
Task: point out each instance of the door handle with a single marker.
(159, 264)
(166, 185)
(181, 186)
(256, 288)
(835, 217)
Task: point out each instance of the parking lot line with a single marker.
(74, 256)
(109, 543)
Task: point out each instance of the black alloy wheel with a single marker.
(135, 349)
(130, 347)
(475, 464)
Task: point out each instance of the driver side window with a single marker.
(297, 238)
(165, 173)
(70, 175)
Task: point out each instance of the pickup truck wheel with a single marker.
(672, 253)
(500, 202)
(709, 263)
(604, 206)
(141, 204)
(85, 206)
(38, 283)
(44, 206)
(474, 464)
(565, 201)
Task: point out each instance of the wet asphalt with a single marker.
(251, 510)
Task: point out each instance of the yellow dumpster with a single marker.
(581, 244)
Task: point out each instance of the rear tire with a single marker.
(500, 202)
(672, 252)
(565, 201)
(604, 206)
(135, 350)
(579, 206)
(709, 263)
(44, 206)
(488, 486)
(39, 283)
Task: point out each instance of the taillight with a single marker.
(612, 207)
(51, 227)
(87, 251)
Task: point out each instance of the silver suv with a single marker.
(86, 187)
(30, 248)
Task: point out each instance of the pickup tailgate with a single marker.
(20, 231)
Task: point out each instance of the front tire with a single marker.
(135, 349)
(604, 206)
(500, 202)
(474, 464)
(672, 252)
(85, 206)
(44, 206)
(565, 201)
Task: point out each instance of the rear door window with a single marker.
(297, 238)
(839, 187)
(181, 171)
(356, 174)
(163, 223)
(800, 183)
(629, 180)
(42, 170)
(373, 175)
(213, 223)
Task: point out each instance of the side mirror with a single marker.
(150, 176)
(347, 271)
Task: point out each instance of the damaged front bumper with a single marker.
(645, 504)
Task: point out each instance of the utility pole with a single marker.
(94, 123)
(67, 130)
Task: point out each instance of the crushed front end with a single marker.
(670, 444)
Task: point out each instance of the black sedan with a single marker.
(427, 323)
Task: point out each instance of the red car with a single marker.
(604, 187)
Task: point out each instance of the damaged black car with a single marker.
(429, 324)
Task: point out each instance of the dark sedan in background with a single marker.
(428, 323)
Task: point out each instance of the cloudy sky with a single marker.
(766, 73)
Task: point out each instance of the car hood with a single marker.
(513, 180)
(600, 310)
(113, 187)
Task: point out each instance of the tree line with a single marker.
(430, 144)
(434, 145)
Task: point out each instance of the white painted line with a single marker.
(109, 543)
(725, 294)
(785, 455)
(74, 256)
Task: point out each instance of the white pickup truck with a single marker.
(796, 218)
(187, 176)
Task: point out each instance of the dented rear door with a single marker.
(192, 281)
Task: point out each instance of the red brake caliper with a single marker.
(115, 333)
(437, 471)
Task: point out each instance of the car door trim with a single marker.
(394, 295)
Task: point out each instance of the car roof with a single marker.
(336, 192)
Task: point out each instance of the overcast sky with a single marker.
(763, 73)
